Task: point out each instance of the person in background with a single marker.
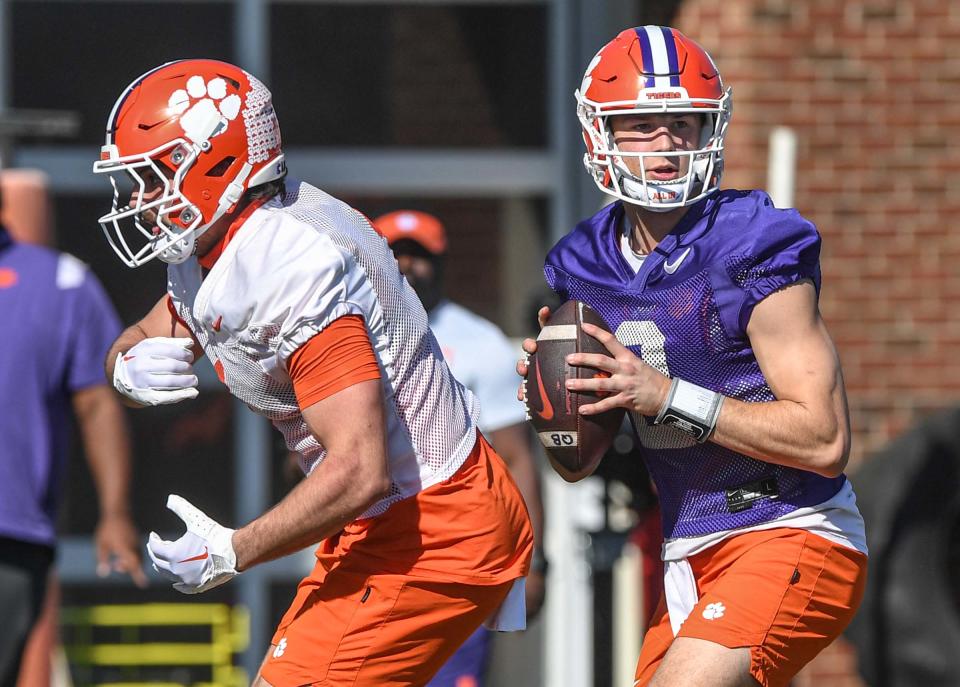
(60, 324)
(482, 359)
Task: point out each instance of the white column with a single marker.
(782, 166)
(572, 510)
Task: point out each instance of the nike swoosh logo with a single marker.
(201, 557)
(146, 126)
(670, 268)
(546, 411)
(216, 323)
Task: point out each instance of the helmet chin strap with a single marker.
(180, 250)
(183, 248)
(185, 245)
(664, 196)
(642, 193)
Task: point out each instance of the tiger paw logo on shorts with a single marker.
(714, 611)
(281, 647)
(204, 107)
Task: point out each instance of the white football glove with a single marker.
(202, 558)
(156, 371)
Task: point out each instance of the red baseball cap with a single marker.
(413, 225)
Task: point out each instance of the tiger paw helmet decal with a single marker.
(204, 107)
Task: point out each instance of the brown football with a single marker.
(574, 443)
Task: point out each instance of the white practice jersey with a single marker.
(483, 360)
(298, 264)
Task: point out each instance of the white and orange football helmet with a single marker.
(214, 126)
(653, 70)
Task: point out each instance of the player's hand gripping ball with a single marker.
(574, 443)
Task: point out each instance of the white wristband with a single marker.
(691, 409)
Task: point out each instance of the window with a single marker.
(369, 75)
(80, 55)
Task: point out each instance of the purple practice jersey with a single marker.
(59, 325)
(685, 313)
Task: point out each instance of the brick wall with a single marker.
(872, 89)
(875, 107)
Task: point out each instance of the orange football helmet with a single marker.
(653, 70)
(209, 123)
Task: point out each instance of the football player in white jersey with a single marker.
(299, 305)
(482, 359)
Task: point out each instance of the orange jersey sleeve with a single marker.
(332, 360)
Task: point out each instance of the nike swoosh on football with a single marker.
(199, 557)
(546, 411)
(670, 268)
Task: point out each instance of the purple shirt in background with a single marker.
(58, 325)
(685, 312)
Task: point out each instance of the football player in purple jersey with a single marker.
(722, 359)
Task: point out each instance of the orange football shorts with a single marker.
(784, 593)
(392, 597)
